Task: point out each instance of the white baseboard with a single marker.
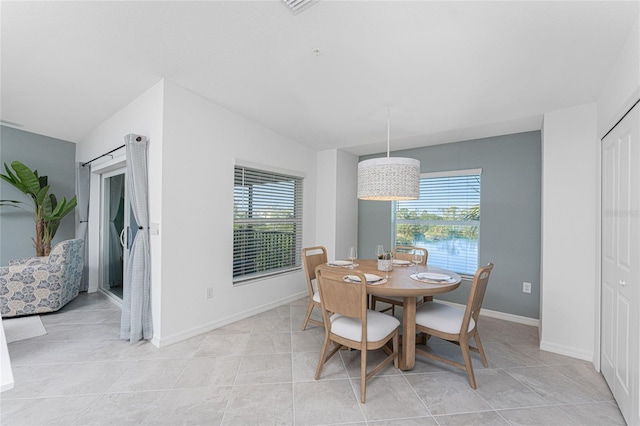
(567, 351)
(545, 346)
(500, 315)
(204, 328)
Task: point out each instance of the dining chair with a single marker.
(400, 253)
(311, 258)
(349, 323)
(455, 325)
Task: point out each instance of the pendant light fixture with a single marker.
(389, 178)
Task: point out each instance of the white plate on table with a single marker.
(371, 279)
(340, 263)
(438, 279)
(400, 262)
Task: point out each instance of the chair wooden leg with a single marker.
(466, 355)
(396, 346)
(323, 356)
(421, 339)
(476, 337)
(363, 373)
(306, 317)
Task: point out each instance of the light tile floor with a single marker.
(260, 371)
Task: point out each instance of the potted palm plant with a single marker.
(47, 211)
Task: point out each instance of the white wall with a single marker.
(326, 202)
(142, 116)
(568, 275)
(201, 143)
(622, 88)
(337, 216)
(346, 195)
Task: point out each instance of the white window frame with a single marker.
(251, 263)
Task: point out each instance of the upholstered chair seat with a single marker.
(439, 316)
(379, 326)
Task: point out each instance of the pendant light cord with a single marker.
(388, 130)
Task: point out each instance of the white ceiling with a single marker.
(447, 70)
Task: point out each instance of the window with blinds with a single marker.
(445, 220)
(267, 223)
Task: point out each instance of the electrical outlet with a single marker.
(526, 287)
(209, 292)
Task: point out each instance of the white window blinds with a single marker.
(267, 228)
(445, 220)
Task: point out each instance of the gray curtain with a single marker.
(136, 321)
(83, 178)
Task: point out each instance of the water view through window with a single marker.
(445, 220)
(455, 254)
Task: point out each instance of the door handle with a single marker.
(122, 243)
(622, 283)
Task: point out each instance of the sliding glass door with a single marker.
(118, 230)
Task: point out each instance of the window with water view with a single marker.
(445, 220)
(267, 223)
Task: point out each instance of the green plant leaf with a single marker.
(63, 208)
(41, 196)
(10, 177)
(27, 177)
(46, 204)
(52, 221)
(13, 180)
(44, 180)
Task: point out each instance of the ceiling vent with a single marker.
(297, 6)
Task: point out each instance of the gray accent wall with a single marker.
(54, 158)
(509, 215)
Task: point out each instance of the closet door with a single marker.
(621, 263)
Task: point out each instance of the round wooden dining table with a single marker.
(400, 284)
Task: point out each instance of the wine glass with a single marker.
(416, 257)
(353, 255)
(387, 264)
(379, 251)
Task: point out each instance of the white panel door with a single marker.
(621, 263)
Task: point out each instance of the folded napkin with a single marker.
(433, 276)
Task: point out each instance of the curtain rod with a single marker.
(138, 139)
(103, 155)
